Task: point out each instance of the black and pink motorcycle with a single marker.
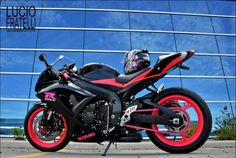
(96, 104)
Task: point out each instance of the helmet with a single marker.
(136, 60)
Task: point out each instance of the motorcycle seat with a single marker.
(129, 77)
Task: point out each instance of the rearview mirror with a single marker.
(58, 59)
(61, 57)
(42, 57)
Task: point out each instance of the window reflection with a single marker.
(16, 61)
(108, 4)
(18, 39)
(157, 5)
(62, 18)
(107, 40)
(222, 7)
(188, 6)
(150, 21)
(226, 44)
(231, 85)
(229, 66)
(192, 23)
(15, 86)
(107, 20)
(200, 43)
(154, 41)
(65, 4)
(208, 89)
(60, 39)
(203, 66)
(8, 110)
(224, 25)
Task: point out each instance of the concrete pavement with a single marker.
(22, 149)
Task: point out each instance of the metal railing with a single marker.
(36, 100)
(106, 51)
(130, 11)
(128, 30)
(167, 76)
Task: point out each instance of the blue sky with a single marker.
(210, 89)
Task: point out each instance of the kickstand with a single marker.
(108, 146)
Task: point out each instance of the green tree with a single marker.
(226, 125)
(18, 133)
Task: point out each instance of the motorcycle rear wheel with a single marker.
(186, 142)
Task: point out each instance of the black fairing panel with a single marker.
(96, 71)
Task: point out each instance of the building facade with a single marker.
(102, 31)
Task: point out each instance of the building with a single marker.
(102, 31)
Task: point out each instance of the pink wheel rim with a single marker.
(184, 140)
(36, 139)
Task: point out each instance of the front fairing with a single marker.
(46, 78)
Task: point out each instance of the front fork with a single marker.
(46, 117)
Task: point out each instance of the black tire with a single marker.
(206, 128)
(60, 146)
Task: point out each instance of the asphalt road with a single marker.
(22, 149)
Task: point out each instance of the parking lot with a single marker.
(22, 149)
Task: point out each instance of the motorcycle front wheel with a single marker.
(46, 138)
(196, 127)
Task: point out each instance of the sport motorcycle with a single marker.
(96, 103)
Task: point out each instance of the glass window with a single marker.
(21, 3)
(203, 66)
(2, 17)
(62, 18)
(13, 110)
(222, 7)
(231, 86)
(169, 82)
(200, 43)
(20, 39)
(107, 20)
(60, 39)
(16, 61)
(224, 25)
(208, 89)
(154, 41)
(229, 66)
(108, 4)
(112, 59)
(227, 44)
(150, 21)
(157, 5)
(33, 93)
(107, 40)
(15, 86)
(65, 4)
(188, 6)
(192, 23)
(70, 57)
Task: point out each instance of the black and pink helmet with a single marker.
(135, 60)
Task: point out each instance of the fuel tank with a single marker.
(98, 71)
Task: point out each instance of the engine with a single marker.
(96, 116)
